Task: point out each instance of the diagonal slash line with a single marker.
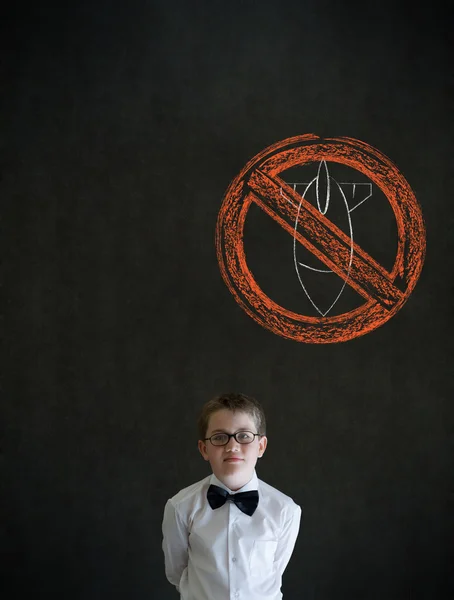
(324, 239)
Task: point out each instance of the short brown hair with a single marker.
(233, 401)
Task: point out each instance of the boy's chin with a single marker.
(231, 472)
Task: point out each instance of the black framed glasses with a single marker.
(242, 437)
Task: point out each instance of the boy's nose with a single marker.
(232, 443)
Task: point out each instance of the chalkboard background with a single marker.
(123, 124)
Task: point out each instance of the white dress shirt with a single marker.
(224, 554)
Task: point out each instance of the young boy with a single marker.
(230, 535)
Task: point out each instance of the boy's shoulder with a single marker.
(188, 494)
(274, 498)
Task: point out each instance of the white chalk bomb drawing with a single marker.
(324, 184)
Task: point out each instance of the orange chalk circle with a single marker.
(259, 182)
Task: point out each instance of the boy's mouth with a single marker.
(233, 459)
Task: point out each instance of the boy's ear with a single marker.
(203, 449)
(262, 445)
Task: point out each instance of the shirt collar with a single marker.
(252, 484)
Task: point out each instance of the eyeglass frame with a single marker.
(233, 435)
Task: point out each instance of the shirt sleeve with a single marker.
(174, 544)
(287, 538)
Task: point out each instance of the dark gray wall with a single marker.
(122, 125)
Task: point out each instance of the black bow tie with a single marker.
(246, 501)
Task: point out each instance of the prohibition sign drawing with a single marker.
(259, 182)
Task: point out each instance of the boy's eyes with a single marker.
(241, 435)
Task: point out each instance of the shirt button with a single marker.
(234, 560)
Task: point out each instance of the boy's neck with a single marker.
(234, 484)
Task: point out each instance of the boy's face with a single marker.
(233, 473)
